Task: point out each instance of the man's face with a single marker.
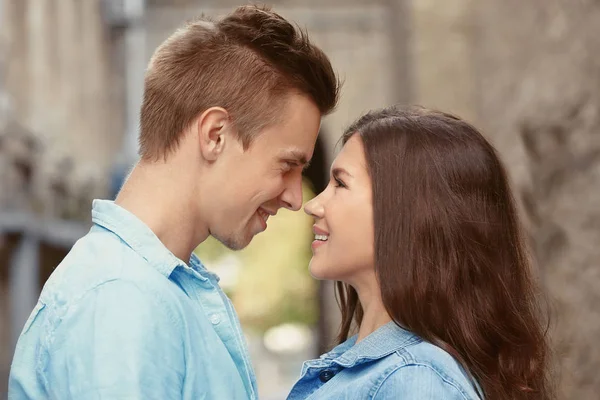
(257, 182)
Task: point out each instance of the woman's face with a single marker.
(343, 248)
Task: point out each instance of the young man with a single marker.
(230, 116)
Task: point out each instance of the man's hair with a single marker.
(247, 62)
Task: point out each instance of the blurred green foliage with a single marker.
(274, 285)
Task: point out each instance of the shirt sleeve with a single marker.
(418, 382)
(118, 342)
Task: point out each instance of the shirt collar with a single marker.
(384, 341)
(140, 238)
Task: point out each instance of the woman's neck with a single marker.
(374, 313)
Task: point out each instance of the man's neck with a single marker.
(156, 194)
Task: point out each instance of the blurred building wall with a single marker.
(60, 79)
(441, 45)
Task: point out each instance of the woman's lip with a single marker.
(319, 231)
(317, 243)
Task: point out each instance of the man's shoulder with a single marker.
(97, 260)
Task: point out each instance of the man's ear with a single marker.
(211, 126)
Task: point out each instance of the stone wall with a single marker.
(537, 65)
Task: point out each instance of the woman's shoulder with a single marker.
(405, 348)
(423, 381)
(428, 371)
(432, 356)
(398, 362)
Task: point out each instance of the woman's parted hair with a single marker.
(450, 256)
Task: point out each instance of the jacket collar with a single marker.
(384, 341)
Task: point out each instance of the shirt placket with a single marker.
(224, 321)
(310, 379)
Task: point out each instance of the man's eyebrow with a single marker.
(297, 157)
(306, 165)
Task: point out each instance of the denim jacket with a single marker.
(123, 318)
(391, 363)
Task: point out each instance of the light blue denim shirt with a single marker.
(391, 363)
(123, 318)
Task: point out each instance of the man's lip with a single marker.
(263, 223)
(267, 211)
(319, 231)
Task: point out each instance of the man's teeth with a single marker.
(321, 237)
(263, 214)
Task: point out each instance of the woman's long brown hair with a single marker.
(450, 256)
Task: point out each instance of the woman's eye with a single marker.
(339, 183)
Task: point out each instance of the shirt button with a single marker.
(215, 319)
(326, 375)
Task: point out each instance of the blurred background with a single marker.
(526, 72)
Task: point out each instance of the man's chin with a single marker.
(236, 243)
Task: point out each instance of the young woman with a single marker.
(418, 227)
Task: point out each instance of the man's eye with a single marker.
(289, 166)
